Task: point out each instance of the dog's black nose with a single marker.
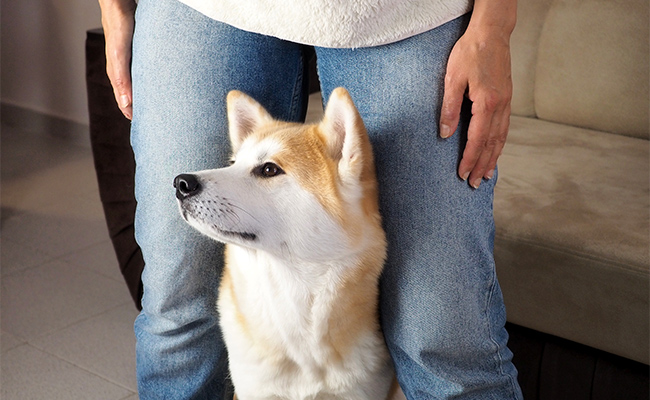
(186, 186)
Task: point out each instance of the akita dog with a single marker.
(298, 211)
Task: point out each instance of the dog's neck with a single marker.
(289, 268)
(300, 303)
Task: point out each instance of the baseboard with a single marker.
(43, 124)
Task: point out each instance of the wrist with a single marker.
(493, 18)
(126, 7)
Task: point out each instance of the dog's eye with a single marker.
(268, 170)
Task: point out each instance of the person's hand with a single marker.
(118, 22)
(479, 68)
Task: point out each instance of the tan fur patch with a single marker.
(227, 292)
(304, 156)
(356, 313)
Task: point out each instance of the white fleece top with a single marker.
(334, 23)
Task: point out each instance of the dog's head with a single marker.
(307, 191)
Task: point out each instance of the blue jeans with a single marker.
(441, 307)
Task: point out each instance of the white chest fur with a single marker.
(289, 333)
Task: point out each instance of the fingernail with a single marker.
(464, 176)
(124, 101)
(489, 175)
(476, 183)
(445, 131)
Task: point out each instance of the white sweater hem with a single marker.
(334, 23)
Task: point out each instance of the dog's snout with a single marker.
(186, 186)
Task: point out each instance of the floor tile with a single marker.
(28, 373)
(9, 341)
(16, 256)
(57, 184)
(103, 345)
(99, 258)
(55, 167)
(59, 229)
(41, 300)
(66, 314)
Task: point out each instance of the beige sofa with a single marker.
(572, 201)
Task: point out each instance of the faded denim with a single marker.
(441, 306)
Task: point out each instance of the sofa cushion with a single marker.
(572, 216)
(524, 44)
(592, 66)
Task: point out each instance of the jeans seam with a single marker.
(499, 357)
(296, 97)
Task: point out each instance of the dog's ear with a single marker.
(346, 136)
(244, 116)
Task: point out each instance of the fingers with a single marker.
(487, 132)
(486, 138)
(118, 69)
(502, 132)
(118, 24)
(478, 69)
(451, 104)
(119, 74)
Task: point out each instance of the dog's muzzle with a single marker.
(186, 185)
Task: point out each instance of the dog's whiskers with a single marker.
(242, 210)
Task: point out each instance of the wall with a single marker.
(42, 62)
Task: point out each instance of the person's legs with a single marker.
(184, 64)
(441, 307)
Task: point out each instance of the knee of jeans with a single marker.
(162, 322)
(180, 282)
(175, 312)
(421, 339)
(444, 327)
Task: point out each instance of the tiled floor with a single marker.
(66, 316)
